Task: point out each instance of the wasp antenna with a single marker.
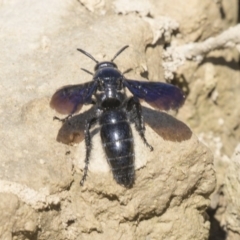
(120, 51)
(87, 54)
(85, 70)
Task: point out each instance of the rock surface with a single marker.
(39, 177)
(41, 184)
(232, 192)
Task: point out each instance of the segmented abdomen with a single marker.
(117, 141)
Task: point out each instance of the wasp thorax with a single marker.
(111, 103)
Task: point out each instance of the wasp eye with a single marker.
(100, 84)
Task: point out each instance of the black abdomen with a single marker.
(116, 135)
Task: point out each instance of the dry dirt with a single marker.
(39, 177)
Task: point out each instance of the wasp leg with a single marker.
(88, 143)
(63, 119)
(135, 113)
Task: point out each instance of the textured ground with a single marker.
(39, 177)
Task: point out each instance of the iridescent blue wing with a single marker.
(162, 96)
(69, 99)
